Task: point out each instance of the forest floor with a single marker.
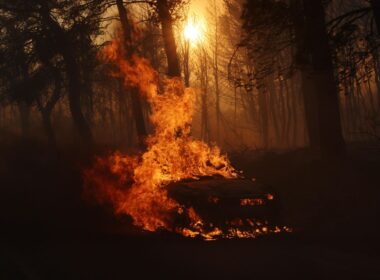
(47, 230)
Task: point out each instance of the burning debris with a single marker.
(147, 186)
(225, 208)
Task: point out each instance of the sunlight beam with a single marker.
(193, 32)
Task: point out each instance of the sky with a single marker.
(198, 6)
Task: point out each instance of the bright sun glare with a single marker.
(193, 31)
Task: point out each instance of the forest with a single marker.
(198, 139)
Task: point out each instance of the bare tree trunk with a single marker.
(204, 85)
(217, 99)
(304, 64)
(74, 80)
(24, 106)
(24, 110)
(264, 122)
(74, 94)
(186, 63)
(272, 108)
(136, 101)
(294, 91)
(330, 131)
(369, 92)
(46, 120)
(375, 4)
(311, 112)
(281, 96)
(216, 70)
(47, 110)
(205, 131)
(289, 113)
(377, 75)
(169, 40)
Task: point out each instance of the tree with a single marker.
(302, 61)
(166, 14)
(269, 27)
(215, 65)
(64, 47)
(375, 4)
(130, 48)
(322, 72)
(59, 28)
(203, 77)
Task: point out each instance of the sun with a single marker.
(193, 31)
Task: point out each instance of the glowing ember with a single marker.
(213, 199)
(251, 201)
(135, 185)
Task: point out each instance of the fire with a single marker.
(135, 184)
(172, 155)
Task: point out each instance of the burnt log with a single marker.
(222, 201)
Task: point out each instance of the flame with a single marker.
(135, 184)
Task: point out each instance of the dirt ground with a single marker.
(48, 231)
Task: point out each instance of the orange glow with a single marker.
(251, 201)
(135, 184)
(194, 31)
(172, 155)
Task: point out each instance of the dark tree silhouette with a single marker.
(322, 71)
(53, 30)
(269, 22)
(130, 48)
(375, 4)
(165, 9)
(64, 47)
(302, 61)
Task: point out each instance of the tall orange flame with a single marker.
(136, 184)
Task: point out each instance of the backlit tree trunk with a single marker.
(323, 80)
(136, 101)
(303, 63)
(375, 4)
(216, 68)
(24, 110)
(204, 86)
(169, 40)
(63, 45)
(186, 63)
(264, 120)
(47, 110)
